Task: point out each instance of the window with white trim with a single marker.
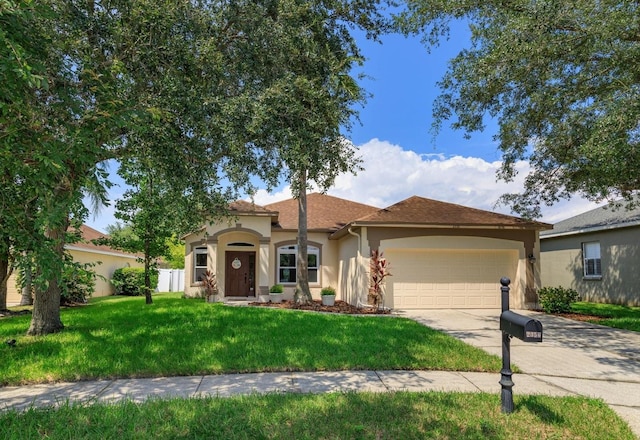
(287, 264)
(199, 263)
(591, 259)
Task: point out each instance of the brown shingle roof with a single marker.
(242, 206)
(422, 211)
(326, 213)
(88, 234)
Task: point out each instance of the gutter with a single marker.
(589, 230)
(100, 252)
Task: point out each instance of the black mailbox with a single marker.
(522, 327)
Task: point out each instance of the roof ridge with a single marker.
(396, 207)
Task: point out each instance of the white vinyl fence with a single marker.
(170, 280)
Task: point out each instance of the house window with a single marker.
(199, 264)
(287, 264)
(591, 258)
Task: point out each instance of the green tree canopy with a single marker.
(168, 89)
(312, 99)
(561, 78)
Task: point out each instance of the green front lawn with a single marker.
(398, 415)
(611, 315)
(118, 337)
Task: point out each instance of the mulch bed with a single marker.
(579, 317)
(339, 307)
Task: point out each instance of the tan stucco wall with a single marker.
(328, 261)
(561, 265)
(353, 270)
(526, 242)
(109, 263)
(259, 224)
(264, 242)
(342, 266)
(254, 230)
(13, 295)
(192, 288)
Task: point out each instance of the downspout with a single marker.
(358, 261)
(359, 302)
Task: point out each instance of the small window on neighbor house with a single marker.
(591, 259)
(199, 263)
(287, 264)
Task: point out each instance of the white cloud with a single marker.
(262, 197)
(393, 174)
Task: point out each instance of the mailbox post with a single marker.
(522, 327)
(506, 394)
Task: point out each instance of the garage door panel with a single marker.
(449, 278)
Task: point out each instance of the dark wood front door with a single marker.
(240, 273)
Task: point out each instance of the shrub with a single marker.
(130, 281)
(209, 283)
(78, 282)
(557, 299)
(277, 288)
(328, 291)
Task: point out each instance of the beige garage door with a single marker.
(446, 279)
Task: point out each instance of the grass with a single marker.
(119, 337)
(122, 337)
(399, 415)
(611, 315)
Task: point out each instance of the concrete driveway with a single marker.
(581, 358)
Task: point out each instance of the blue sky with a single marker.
(400, 155)
(403, 81)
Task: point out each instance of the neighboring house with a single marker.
(441, 255)
(597, 253)
(86, 252)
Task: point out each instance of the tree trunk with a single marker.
(147, 279)
(303, 292)
(4, 278)
(27, 289)
(5, 271)
(147, 251)
(45, 318)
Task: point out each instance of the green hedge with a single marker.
(557, 299)
(130, 281)
(77, 283)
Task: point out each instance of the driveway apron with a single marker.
(582, 358)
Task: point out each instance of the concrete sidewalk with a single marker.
(576, 357)
(235, 384)
(138, 390)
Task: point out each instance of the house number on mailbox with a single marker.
(236, 264)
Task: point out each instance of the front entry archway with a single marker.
(240, 269)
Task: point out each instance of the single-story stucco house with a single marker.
(442, 255)
(85, 251)
(597, 253)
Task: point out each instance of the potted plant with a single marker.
(275, 293)
(210, 285)
(328, 295)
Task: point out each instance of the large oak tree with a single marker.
(563, 80)
(175, 82)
